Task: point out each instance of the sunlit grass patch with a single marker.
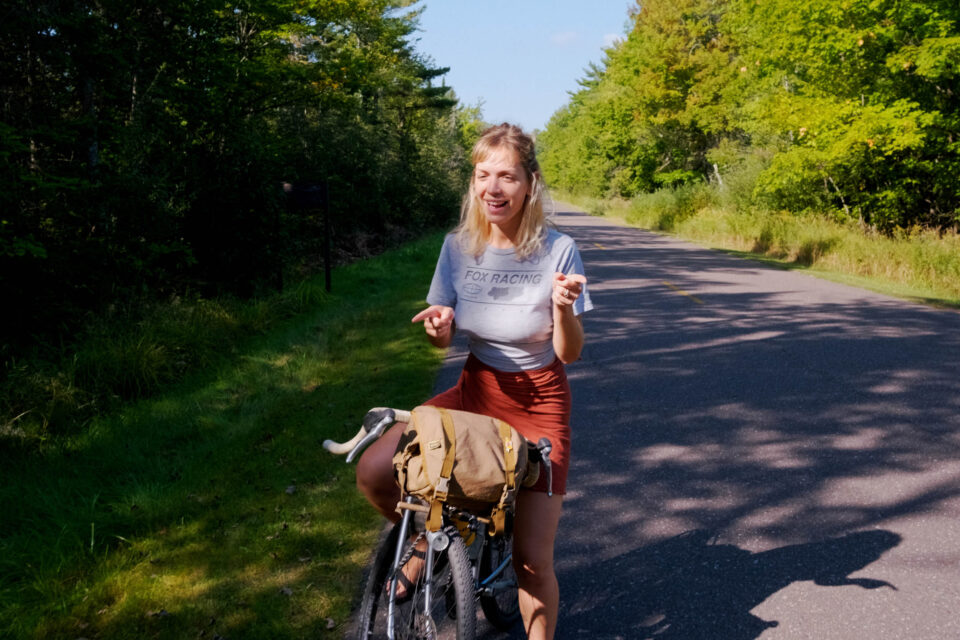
(212, 509)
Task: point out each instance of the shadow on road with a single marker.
(790, 407)
(689, 587)
(808, 426)
(770, 408)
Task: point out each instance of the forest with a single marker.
(847, 108)
(145, 147)
(163, 159)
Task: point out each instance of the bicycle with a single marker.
(464, 562)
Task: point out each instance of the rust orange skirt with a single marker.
(536, 403)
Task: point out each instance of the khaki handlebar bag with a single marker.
(467, 460)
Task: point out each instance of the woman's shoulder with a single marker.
(451, 241)
(557, 240)
(454, 248)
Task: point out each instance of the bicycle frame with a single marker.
(397, 559)
(437, 542)
(487, 583)
(471, 561)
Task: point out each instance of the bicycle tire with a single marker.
(454, 613)
(373, 592)
(501, 605)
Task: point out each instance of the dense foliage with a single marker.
(846, 106)
(144, 145)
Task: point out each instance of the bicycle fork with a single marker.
(437, 541)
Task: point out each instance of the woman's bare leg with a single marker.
(534, 532)
(375, 473)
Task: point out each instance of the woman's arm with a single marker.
(567, 327)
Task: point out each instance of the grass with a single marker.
(921, 265)
(132, 353)
(210, 509)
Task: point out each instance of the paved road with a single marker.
(757, 453)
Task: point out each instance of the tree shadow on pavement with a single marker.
(781, 413)
(773, 410)
(689, 587)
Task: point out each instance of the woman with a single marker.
(516, 287)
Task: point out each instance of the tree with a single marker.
(144, 148)
(852, 103)
(650, 116)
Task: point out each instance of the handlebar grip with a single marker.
(340, 448)
(375, 422)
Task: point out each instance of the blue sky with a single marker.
(519, 57)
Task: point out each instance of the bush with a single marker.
(665, 209)
(133, 353)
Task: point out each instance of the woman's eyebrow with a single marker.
(511, 171)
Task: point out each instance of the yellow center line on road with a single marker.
(597, 244)
(683, 293)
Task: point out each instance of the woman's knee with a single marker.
(374, 477)
(534, 566)
(538, 516)
(375, 466)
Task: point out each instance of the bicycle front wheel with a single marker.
(452, 614)
(498, 592)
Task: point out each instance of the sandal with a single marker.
(405, 583)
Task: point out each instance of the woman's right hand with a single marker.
(437, 321)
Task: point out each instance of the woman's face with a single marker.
(501, 183)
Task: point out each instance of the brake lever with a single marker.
(545, 447)
(380, 422)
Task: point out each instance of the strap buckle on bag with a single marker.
(498, 516)
(442, 487)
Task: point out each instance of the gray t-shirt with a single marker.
(503, 304)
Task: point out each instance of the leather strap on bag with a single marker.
(400, 471)
(442, 488)
(498, 515)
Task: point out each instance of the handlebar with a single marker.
(375, 423)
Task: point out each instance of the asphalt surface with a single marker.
(757, 453)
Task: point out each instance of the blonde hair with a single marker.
(473, 232)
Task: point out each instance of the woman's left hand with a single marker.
(567, 288)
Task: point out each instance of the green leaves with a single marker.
(852, 100)
(649, 116)
(934, 59)
(143, 147)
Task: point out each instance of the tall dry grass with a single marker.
(917, 262)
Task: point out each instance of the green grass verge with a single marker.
(211, 509)
(919, 265)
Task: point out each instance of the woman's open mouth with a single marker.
(496, 205)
